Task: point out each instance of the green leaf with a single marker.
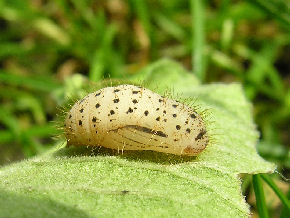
(79, 182)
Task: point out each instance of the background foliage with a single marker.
(44, 43)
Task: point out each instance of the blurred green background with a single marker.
(48, 47)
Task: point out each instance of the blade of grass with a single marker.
(227, 34)
(260, 197)
(45, 130)
(12, 49)
(10, 121)
(6, 136)
(31, 146)
(197, 22)
(85, 10)
(169, 26)
(143, 14)
(278, 9)
(52, 30)
(278, 192)
(102, 55)
(222, 60)
(286, 212)
(36, 83)
(32, 104)
(262, 76)
(50, 129)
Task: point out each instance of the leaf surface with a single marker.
(79, 182)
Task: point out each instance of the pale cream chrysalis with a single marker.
(128, 117)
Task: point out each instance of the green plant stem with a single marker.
(260, 197)
(197, 20)
(278, 192)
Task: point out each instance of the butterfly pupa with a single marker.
(127, 117)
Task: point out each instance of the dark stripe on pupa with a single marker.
(143, 129)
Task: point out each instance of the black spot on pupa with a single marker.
(188, 130)
(165, 120)
(164, 111)
(174, 115)
(178, 127)
(186, 122)
(96, 131)
(94, 125)
(160, 100)
(97, 94)
(94, 119)
(116, 90)
(135, 101)
(135, 92)
(81, 110)
(70, 116)
(130, 110)
(146, 113)
(175, 140)
(200, 135)
(174, 105)
(158, 118)
(192, 116)
(112, 112)
(80, 123)
(116, 100)
(157, 109)
(98, 105)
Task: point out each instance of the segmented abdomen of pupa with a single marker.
(127, 117)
